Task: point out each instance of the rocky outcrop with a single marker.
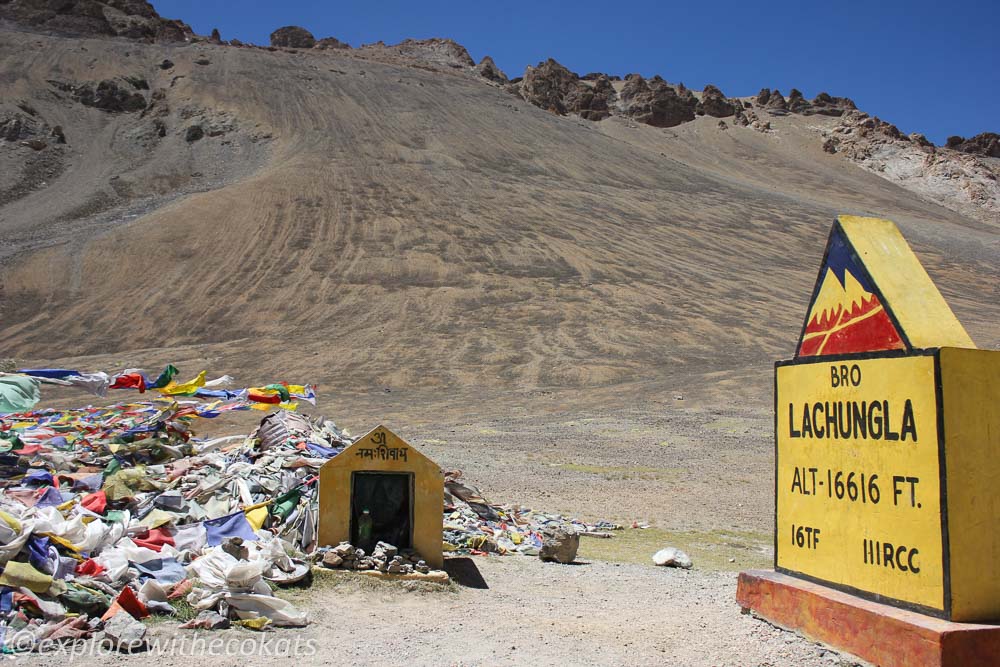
(828, 105)
(715, 104)
(135, 19)
(593, 101)
(986, 144)
(963, 182)
(292, 37)
(489, 71)
(776, 101)
(436, 50)
(655, 102)
(547, 85)
(331, 43)
(107, 95)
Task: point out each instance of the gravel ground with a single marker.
(531, 612)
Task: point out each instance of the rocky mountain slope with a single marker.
(400, 216)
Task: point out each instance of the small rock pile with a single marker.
(384, 558)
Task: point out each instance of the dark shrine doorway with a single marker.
(381, 509)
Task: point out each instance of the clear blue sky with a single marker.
(927, 66)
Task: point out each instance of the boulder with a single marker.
(830, 145)
(193, 133)
(332, 559)
(559, 545)
(124, 633)
(215, 37)
(547, 85)
(489, 71)
(715, 104)
(293, 37)
(672, 557)
(763, 96)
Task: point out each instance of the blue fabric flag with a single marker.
(164, 570)
(234, 525)
(38, 551)
(53, 373)
(325, 452)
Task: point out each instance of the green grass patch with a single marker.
(344, 582)
(709, 550)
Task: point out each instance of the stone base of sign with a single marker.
(874, 632)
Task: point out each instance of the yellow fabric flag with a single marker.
(293, 406)
(256, 517)
(17, 575)
(186, 388)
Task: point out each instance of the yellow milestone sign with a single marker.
(887, 435)
(859, 477)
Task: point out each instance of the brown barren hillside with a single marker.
(363, 223)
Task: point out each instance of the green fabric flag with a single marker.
(19, 393)
(165, 377)
(282, 391)
(285, 504)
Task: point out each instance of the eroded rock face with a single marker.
(135, 19)
(715, 104)
(293, 37)
(986, 144)
(547, 85)
(593, 101)
(436, 50)
(656, 103)
(776, 101)
(489, 71)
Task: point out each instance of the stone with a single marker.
(422, 567)
(559, 545)
(763, 96)
(293, 37)
(830, 145)
(124, 633)
(672, 557)
(332, 559)
(215, 38)
(387, 550)
(722, 126)
(394, 568)
(234, 547)
(193, 133)
(166, 64)
(207, 620)
(345, 550)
